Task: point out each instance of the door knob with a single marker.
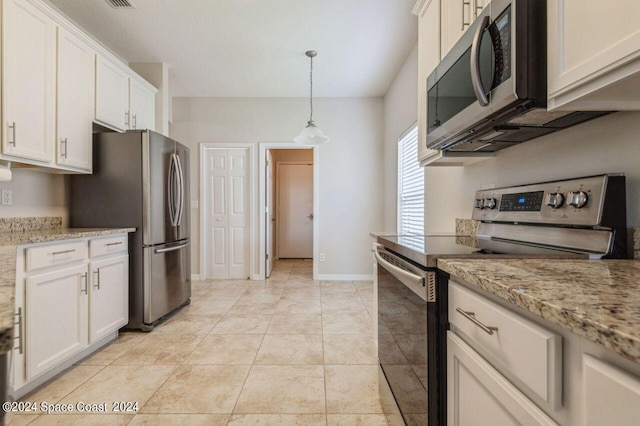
(310, 216)
(218, 220)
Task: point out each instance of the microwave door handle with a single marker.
(476, 79)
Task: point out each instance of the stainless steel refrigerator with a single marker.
(141, 179)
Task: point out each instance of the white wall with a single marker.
(350, 164)
(400, 112)
(604, 145)
(36, 193)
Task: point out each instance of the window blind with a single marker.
(410, 185)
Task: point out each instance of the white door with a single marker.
(227, 213)
(56, 321)
(109, 296)
(76, 73)
(270, 217)
(295, 211)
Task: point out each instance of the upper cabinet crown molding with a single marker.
(593, 55)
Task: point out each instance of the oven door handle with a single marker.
(399, 273)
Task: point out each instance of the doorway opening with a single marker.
(288, 216)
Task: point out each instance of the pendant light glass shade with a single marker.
(311, 135)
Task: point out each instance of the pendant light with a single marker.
(311, 135)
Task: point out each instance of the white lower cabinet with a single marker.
(501, 378)
(67, 305)
(476, 390)
(56, 318)
(109, 296)
(611, 395)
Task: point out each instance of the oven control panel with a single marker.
(575, 202)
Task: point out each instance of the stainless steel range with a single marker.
(582, 218)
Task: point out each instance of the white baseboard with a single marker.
(195, 277)
(256, 277)
(345, 277)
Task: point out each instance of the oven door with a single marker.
(402, 333)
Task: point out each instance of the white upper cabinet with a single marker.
(76, 65)
(456, 16)
(112, 94)
(28, 83)
(428, 58)
(142, 105)
(593, 55)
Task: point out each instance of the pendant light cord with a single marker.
(311, 92)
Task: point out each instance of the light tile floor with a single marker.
(285, 351)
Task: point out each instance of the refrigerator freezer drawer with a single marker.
(167, 278)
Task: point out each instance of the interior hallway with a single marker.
(288, 350)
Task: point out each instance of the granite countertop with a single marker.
(19, 231)
(595, 299)
(46, 235)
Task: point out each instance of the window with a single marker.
(410, 185)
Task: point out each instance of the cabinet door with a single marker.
(593, 54)
(112, 94)
(428, 59)
(28, 82)
(455, 18)
(56, 318)
(109, 296)
(142, 103)
(611, 396)
(76, 73)
(475, 390)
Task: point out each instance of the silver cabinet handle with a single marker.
(471, 317)
(476, 78)
(114, 244)
(465, 23)
(63, 142)
(12, 127)
(85, 290)
(63, 252)
(479, 7)
(134, 120)
(96, 275)
(19, 338)
(126, 119)
(174, 248)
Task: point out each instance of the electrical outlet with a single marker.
(7, 197)
(321, 257)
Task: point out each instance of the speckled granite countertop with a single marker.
(597, 300)
(17, 232)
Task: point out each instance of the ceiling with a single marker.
(255, 48)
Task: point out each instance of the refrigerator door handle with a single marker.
(174, 248)
(180, 187)
(171, 190)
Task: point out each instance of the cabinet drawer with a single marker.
(102, 246)
(55, 254)
(525, 352)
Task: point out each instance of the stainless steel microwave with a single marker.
(490, 91)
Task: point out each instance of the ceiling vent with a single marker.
(121, 4)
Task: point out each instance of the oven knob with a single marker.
(555, 200)
(479, 202)
(577, 199)
(489, 203)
